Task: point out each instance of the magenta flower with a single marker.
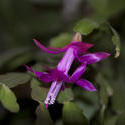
(86, 59)
(59, 75)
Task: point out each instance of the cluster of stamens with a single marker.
(53, 92)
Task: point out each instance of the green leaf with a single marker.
(14, 79)
(105, 89)
(85, 26)
(43, 116)
(118, 101)
(8, 98)
(87, 101)
(65, 96)
(61, 40)
(38, 92)
(105, 92)
(116, 41)
(73, 115)
(102, 39)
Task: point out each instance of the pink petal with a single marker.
(93, 57)
(78, 73)
(82, 47)
(86, 85)
(43, 76)
(59, 75)
(82, 44)
(46, 49)
(67, 60)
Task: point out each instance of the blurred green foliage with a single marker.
(97, 21)
(45, 119)
(73, 115)
(61, 40)
(8, 99)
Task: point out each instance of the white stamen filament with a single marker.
(53, 92)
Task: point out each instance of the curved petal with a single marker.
(47, 50)
(78, 73)
(82, 44)
(57, 49)
(86, 85)
(82, 47)
(65, 78)
(76, 54)
(43, 76)
(93, 57)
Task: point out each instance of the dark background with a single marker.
(23, 20)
